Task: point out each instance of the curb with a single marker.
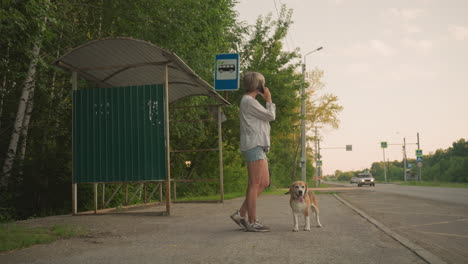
(419, 251)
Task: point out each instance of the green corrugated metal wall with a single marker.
(119, 134)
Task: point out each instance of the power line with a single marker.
(274, 2)
(277, 14)
(290, 33)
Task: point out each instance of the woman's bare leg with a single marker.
(258, 181)
(264, 176)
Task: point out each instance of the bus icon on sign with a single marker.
(226, 68)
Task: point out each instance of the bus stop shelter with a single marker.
(121, 126)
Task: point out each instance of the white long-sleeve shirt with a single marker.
(255, 123)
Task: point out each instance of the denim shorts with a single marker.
(257, 153)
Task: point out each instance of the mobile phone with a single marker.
(260, 88)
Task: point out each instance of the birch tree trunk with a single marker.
(28, 87)
(53, 92)
(25, 127)
(100, 19)
(3, 89)
(2, 96)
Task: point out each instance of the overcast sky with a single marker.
(398, 68)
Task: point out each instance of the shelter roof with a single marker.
(115, 62)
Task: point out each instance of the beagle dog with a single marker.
(302, 202)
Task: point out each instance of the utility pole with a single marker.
(303, 113)
(418, 166)
(404, 158)
(385, 165)
(303, 135)
(319, 168)
(317, 156)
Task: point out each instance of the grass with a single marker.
(228, 196)
(322, 185)
(435, 184)
(13, 236)
(214, 197)
(339, 182)
(319, 193)
(275, 192)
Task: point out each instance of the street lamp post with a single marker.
(317, 157)
(303, 113)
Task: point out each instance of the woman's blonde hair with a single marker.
(252, 80)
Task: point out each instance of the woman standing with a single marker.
(254, 144)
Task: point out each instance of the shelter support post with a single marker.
(74, 199)
(168, 147)
(220, 148)
(95, 197)
(103, 196)
(74, 82)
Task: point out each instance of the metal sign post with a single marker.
(168, 145)
(74, 184)
(384, 146)
(419, 156)
(420, 174)
(418, 152)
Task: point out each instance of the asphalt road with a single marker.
(434, 218)
(204, 233)
(444, 194)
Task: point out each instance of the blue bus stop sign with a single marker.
(227, 72)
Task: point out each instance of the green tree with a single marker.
(459, 148)
(263, 52)
(178, 26)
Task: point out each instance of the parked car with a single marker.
(365, 179)
(353, 180)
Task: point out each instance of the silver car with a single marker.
(353, 180)
(365, 179)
